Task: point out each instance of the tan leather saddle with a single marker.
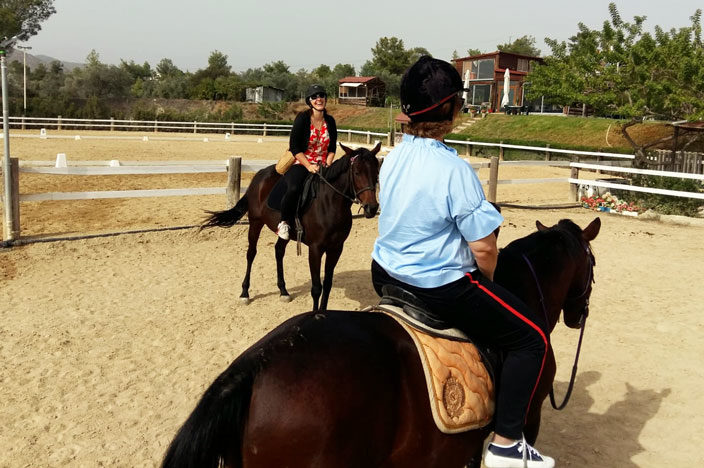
(458, 375)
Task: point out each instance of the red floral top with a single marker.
(318, 143)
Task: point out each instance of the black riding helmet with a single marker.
(425, 86)
(313, 90)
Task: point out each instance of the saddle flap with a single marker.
(460, 387)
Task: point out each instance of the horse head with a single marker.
(364, 176)
(575, 305)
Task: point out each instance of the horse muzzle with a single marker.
(370, 210)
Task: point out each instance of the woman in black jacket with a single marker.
(313, 140)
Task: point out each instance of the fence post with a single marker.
(11, 231)
(195, 126)
(547, 152)
(234, 180)
(349, 135)
(574, 174)
(369, 137)
(23, 122)
(467, 150)
(112, 124)
(388, 139)
(493, 178)
(58, 123)
(501, 150)
(155, 125)
(264, 132)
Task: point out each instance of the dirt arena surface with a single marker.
(107, 343)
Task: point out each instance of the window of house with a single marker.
(523, 65)
(482, 69)
(479, 94)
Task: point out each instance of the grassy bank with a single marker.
(591, 134)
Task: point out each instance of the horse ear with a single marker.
(591, 231)
(346, 149)
(541, 226)
(376, 149)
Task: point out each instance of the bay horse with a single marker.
(346, 388)
(326, 223)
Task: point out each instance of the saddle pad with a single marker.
(459, 386)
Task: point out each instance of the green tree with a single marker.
(98, 80)
(471, 52)
(23, 18)
(166, 67)
(390, 55)
(524, 45)
(620, 70)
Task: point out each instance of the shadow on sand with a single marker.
(578, 437)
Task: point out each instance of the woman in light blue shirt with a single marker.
(436, 240)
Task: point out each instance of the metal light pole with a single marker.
(24, 68)
(6, 167)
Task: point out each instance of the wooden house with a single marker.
(264, 94)
(485, 75)
(361, 91)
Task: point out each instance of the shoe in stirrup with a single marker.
(518, 455)
(282, 230)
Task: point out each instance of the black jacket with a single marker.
(300, 133)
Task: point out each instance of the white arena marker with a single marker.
(259, 140)
(61, 160)
(227, 136)
(42, 133)
(146, 138)
(114, 163)
(77, 137)
(205, 140)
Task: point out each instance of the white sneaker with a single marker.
(282, 230)
(518, 455)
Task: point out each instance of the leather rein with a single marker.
(583, 322)
(356, 199)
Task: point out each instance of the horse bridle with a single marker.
(356, 199)
(582, 322)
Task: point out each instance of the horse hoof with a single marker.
(244, 300)
(285, 298)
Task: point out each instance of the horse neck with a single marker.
(539, 286)
(342, 184)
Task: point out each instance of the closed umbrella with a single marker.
(507, 85)
(465, 95)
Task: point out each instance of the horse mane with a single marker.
(565, 234)
(337, 168)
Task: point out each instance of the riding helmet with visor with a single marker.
(315, 90)
(425, 86)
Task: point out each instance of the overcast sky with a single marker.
(305, 34)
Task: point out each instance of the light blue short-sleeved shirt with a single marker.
(432, 204)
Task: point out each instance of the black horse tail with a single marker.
(227, 218)
(213, 431)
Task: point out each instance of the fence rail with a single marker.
(60, 123)
(235, 167)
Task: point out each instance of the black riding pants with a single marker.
(294, 178)
(491, 316)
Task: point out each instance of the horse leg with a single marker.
(314, 257)
(280, 250)
(332, 255)
(255, 228)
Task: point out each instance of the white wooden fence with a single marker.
(228, 128)
(235, 167)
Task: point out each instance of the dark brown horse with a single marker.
(346, 389)
(326, 223)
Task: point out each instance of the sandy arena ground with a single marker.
(107, 343)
